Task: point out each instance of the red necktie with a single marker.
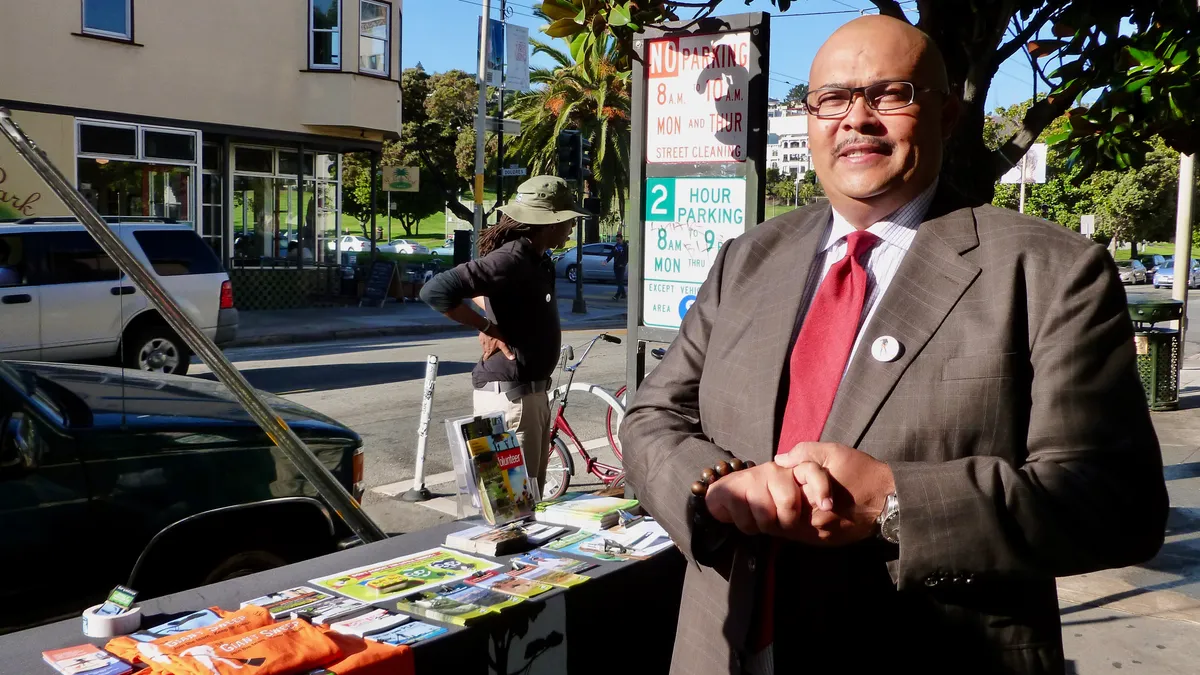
(815, 370)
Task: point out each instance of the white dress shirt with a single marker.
(896, 232)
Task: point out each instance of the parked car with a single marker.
(1152, 262)
(160, 482)
(446, 249)
(1132, 272)
(594, 268)
(349, 243)
(403, 246)
(1166, 275)
(64, 299)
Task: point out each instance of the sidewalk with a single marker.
(286, 326)
(1146, 618)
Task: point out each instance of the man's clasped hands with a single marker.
(824, 494)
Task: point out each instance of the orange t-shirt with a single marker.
(367, 657)
(231, 623)
(277, 649)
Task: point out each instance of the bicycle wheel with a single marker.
(558, 471)
(612, 424)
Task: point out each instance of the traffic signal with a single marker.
(568, 152)
(584, 159)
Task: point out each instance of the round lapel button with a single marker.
(885, 349)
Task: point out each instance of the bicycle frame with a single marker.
(605, 472)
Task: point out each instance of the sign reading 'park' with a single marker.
(697, 104)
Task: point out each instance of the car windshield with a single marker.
(1124, 263)
(27, 384)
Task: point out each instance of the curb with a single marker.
(615, 321)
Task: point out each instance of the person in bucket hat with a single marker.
(512, 280)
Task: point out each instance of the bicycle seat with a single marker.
(658, 353)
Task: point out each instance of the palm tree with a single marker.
(592, 96)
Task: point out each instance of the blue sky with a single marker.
(441, 35)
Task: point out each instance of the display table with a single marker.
(625, 614)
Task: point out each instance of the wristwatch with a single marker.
(889, 520)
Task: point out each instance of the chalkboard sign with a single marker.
(379, 283)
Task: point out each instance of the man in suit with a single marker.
(940, 398)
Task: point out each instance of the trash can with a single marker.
(1157, 350)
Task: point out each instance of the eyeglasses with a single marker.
(881, 97)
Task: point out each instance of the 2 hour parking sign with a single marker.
(688, 220)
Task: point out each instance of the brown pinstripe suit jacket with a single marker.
(1014, 423)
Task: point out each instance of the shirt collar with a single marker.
(897, 228)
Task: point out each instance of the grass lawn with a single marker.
(1151, 249)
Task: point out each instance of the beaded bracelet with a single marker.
(709, 476)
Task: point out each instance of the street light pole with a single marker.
(500, 114)
(480, 114)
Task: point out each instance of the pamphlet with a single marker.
(375, 621)
(587, 512)
(549, 576)
(432, 605)
(409, 633)
(543, 558)
(499, 581)
(405, 575)
(85, 660)
(492, 468)
(119, 601)
(283, 603)
(635, 542)
(571, 544)
(183, 624)
(327, 611)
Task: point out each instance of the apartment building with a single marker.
(230, 115)
(787, 139)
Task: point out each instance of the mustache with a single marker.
(877, 143)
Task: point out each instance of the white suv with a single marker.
(63, 299)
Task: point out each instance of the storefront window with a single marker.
(126, 188)
(267, 223)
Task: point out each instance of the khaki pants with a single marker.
(527, 417)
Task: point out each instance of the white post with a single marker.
(1183, 239)
(418, 492)
(479, 117)
(1021, 208)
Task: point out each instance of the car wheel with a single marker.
(242, 564)
(157, 348)
(572, 273)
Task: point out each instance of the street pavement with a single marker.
(1141, 619)
(410, 317)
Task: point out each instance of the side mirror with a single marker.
(16, 457)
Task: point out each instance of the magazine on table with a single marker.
(283, 603)
(85, 660)
(405, 575)
(497, 580)
(409, 633)
(543, 558)
(637, 541)
(587, 512)
(374, 621)
(489, 466)
(503, 539)
(546, 575)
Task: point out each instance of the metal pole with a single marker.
(374, 198)
(276, 429)
(580, 305)
(1183, 239)
(480, 114)
(300, 223)
(1021, 208)
(500, 115)
(418, 492)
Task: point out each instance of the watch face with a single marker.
(890, 528)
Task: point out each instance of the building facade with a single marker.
(229, 115)
(787, 139)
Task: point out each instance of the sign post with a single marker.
(697, 167)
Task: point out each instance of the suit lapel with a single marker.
(928, 284)
(785, 270)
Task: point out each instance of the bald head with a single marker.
(871, 162)
(883, 40)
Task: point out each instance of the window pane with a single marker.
(372, 55)
(160, 145)
(110, 16)
(13, 270)
(253, 216)
(210, 189)
(213, 221)
(98, 140)
(119, 188)
(325, 13)
(74, 257)
(326, 48)
(373, 20)
(257, 160)
(287, 164)
(175, 253)
(327, 166)
(212, 157)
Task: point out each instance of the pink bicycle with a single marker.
(560, 466)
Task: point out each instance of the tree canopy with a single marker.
(1146, 80)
